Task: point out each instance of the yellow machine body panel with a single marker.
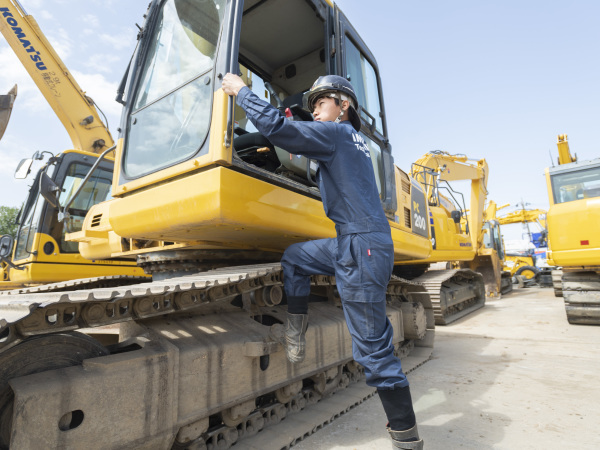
(43, 268)
(220, 208)
(450, 243)
(573, 235)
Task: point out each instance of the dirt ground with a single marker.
(513, 375)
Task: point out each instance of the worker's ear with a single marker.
(345, 105)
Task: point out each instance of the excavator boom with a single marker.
(72, 106)
(40, 253)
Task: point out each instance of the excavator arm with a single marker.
(564, 152)
(74, 109)
(524, 216)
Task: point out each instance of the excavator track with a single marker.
(190, 337)
(581, 292)
(81, 283)
(302, 423)
(42, 310)
(454, 293)
(557, 282)
(506, 284)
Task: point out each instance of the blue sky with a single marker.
(489, 79)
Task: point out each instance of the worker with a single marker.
(361, 256)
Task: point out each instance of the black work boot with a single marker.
(295, 341)
(402, 426)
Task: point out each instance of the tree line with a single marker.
(8, 215)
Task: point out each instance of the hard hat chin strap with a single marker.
(341, 98)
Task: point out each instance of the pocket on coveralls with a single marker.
(378, 259)
(346, 250)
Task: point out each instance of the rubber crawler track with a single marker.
(434, 281)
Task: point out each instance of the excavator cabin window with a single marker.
(170, 114)
(96, 190)
(576, 185)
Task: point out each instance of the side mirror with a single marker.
(24, 168)
(6, 246)
(455, 216)
(49, 190)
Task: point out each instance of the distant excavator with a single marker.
(573, 233)
(523, 262)
(40, 254)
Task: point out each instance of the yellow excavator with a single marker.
(491, 256)
(40, 253)
(480, 248)
(523, 263)
(455, 235)
(207, 205)
(573, 236)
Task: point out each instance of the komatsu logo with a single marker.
(12, 22)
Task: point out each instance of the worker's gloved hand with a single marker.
(232, 84)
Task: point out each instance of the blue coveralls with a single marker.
(362, 255)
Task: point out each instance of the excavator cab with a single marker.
(179, 128)
(40, 240)
(492, 237)
(194, 44)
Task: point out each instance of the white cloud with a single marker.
(91, 20)
(61, 42)
(117, 41)
(46, 15)
(13, 72)
(34, 5)
(13, 191)
(107, 65)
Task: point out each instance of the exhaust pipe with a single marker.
(6, 105)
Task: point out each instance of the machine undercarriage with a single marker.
(183, 344)
(454, 293)
(581, 292)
